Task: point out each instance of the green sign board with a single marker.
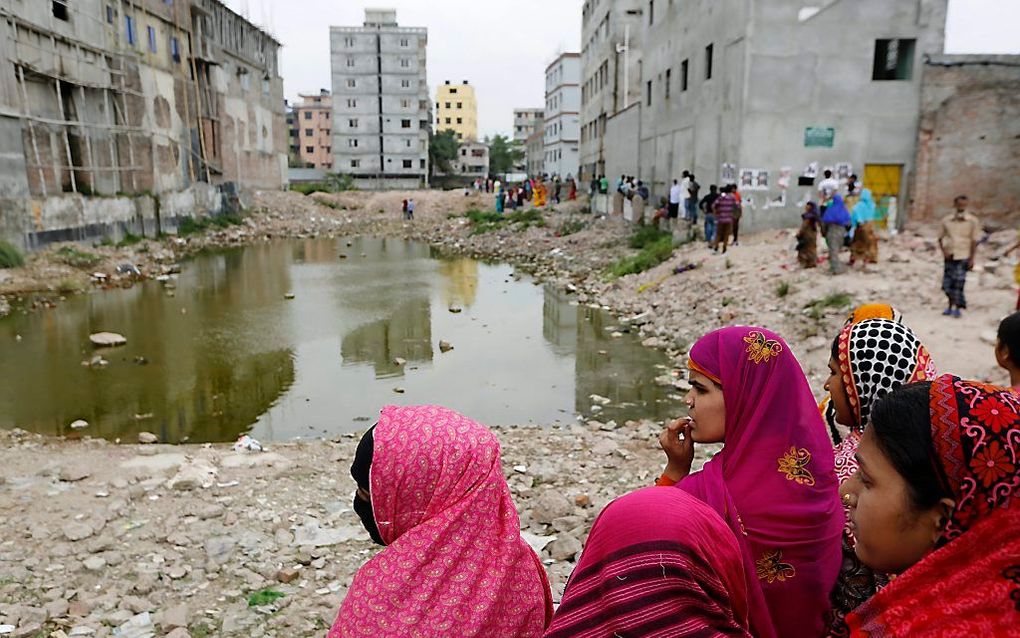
(819, 136)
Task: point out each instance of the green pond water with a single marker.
(228, 354)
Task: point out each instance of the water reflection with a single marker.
(228, 353)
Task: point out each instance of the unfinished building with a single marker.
(125, 115)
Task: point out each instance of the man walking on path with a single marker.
(708, 209)
(685, 184)
(958, 239)
(725, 205)
(836, 222)
(693, 188)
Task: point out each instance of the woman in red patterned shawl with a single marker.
(935, 501)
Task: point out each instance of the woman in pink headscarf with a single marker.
(773, 482)
(431, 489)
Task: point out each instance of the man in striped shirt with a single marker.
(725, 206)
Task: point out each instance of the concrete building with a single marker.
(768, 94)
(165, 109)
(525, 121)
(457, 110)
(969, 138)
(381, 106)
(473, 159)
(534, 150)
(611, 36)
(313, 123)
(562, 115)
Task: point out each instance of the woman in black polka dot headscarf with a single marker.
(870, 359)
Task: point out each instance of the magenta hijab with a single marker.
(454, 563)
(774, 481)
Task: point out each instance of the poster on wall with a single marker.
(784, 177)
(811, 170)
(843, 171)
(729, 173)
(754, 179)
(779, 201)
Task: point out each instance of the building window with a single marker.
(405, 123)
(460, 105)
(308, 115)
(353, 123)
(129, 29)
(408, 164)
(309, 149)
(894, 60)
(683, 76)
(651, 12)
(648, 93)
(350, 62)
(351, 83)
(421, 163)
(350, 104)
(246, 80)
(405, 63)
(152, 39)
(60, 9)
(448, 121)
(405, 104)
(348, 42)
(328, 132)
(453, 90)
(309, 132)
(109, 13)
(355, 163)
(669, 81)
(404, 42)
(447, 105)
(407, 143)
(352, 143)
(329, 149)
(708, 62)
(405, 84)
(460, 120)
(175, 49)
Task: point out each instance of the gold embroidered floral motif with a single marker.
(794, 465)
(761, 349)
(771, 567)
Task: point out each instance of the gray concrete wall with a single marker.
(816, 70)
(620, 137)
(969, 138)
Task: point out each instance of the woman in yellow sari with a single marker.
(865, 243)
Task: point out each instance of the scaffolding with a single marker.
(121, 125)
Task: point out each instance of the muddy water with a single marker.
(227, 353)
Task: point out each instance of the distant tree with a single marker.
(504, 154)
(443, 148)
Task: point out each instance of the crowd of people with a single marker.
(539, 191)
(891, 509)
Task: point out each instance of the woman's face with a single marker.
(838, 396)
(706, 409)
(892, 535)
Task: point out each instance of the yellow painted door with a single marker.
(884, 182)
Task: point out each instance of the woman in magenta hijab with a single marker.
(774, 481)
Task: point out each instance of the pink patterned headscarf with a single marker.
(455, 563)
(773, 482)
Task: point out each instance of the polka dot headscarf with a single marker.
(876, 356)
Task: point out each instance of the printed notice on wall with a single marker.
(819, 136)
(729, 173)
(754, 179)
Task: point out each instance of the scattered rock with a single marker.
(550, 506)
(288, 295)
(147, 438)
(176, 616)
(94, 563)
(565, 547)
(287, 575)
(76, 531)
(73, 473)
(445, 346)
(400, 361)
(107, 339)
(80, 424)
(219, 549)
(456, 309)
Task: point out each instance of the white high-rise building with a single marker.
(381, 105)
(562, 115)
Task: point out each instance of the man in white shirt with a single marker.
(827, 189)
(675, 198)
(685, 184)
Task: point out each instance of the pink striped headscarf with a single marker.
(454, 563)
(774, 481)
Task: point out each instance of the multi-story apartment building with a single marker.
(180, 102)
(534, 150)
(473, 159)
(525, 121)
(723, 96)
(611, 36)
(313, 124)
(381, 106)
(457, 110)
(562, 121)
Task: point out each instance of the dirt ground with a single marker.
(177, 539)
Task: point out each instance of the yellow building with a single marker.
(457, 109)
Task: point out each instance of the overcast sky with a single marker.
(503, 50)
